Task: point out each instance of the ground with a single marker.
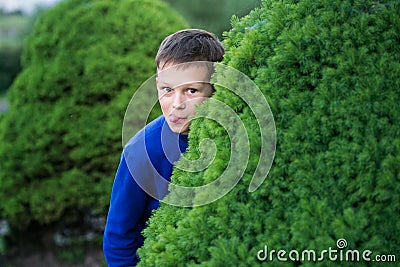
(92, 258)
(46, 248)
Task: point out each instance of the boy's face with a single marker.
(180, 88)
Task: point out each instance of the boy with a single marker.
(151, 152)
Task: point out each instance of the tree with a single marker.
(329, 70)
(61, 139)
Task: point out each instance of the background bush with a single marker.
(61, 138)
(329, 70)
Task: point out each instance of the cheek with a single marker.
(163, 103)
(191, 105)
(197, 101)
(166, 105)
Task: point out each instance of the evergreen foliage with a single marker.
(330, 71)
(61, 139)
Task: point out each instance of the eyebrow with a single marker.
(186, 84)
(164, 84)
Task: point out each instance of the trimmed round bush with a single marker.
(61, 138)
(330, 71)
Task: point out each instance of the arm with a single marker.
(122, 235)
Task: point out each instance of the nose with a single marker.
(179, 100)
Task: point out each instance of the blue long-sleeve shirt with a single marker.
(147, 158)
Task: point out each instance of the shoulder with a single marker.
(154, 128)
(140, 141)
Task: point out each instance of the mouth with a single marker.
(176, 119)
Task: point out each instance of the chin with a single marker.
(181, 131)
(179, 128)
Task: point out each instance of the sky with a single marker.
(27, 6)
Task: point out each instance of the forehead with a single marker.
(184, 73)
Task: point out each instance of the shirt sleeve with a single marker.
(122, 234)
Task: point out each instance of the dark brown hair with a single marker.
(189, 45)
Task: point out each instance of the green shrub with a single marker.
(330, 71)
(61, 138)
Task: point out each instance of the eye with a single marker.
(192, 90)
(166, 90)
